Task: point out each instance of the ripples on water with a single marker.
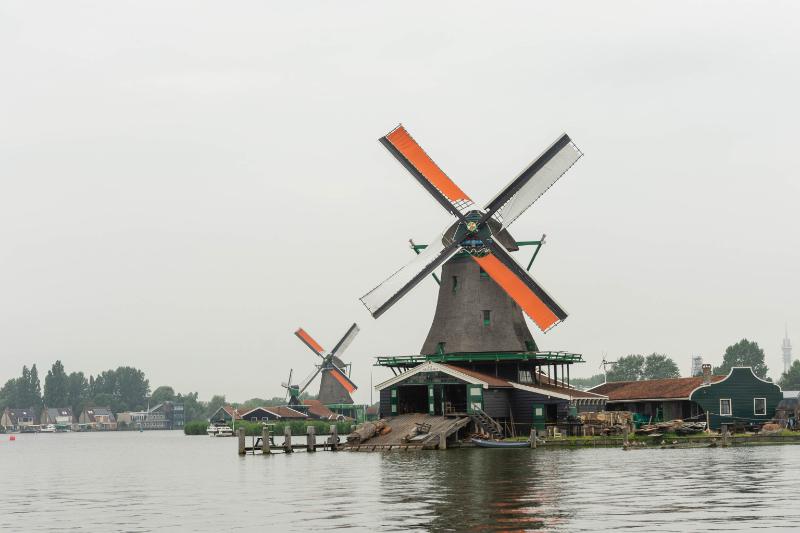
(166, 481)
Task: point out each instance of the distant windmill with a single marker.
(604, 364)
(335, 386)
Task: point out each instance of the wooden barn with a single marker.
(741, 397)
(510, 390)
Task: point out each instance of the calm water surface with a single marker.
(167, 481)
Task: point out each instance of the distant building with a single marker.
(17, 419)
(59, 416)
(280, 413)
(741, 397)
(787, 351)
(697, 365)
(99, 418)
(142, 419)
(224, 414)
(317, 410)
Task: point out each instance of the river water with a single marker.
(165, 481)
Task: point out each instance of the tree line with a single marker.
(637, 367)
(122, 389)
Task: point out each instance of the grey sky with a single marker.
(182, 184)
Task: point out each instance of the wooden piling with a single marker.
(287, 440)
(334, 438)
(311, 439)
(265, 440)
(725, 435)
(533, 438)
(625, 434)
(443, 440)
(240, 435)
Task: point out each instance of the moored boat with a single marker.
(482, 443)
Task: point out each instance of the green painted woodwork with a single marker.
(393, 400)
(410, 361)
(474, 398)
(539, 416)
(742, 387)
(487, 318)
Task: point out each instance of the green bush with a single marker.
(195, 427)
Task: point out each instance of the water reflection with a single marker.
(164, 481)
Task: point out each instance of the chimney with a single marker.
(706, 374)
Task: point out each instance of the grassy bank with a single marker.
(298, 427)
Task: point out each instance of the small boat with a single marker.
(49, 428)
(501, 444)
(224, 431)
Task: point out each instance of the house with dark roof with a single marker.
(59, 416)
(531, 400)
(18, 419)
(98, 418)
(740, 397)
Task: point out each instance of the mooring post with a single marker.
(334, 438)
(311, 439)
(240, 434)
(725, 435)
(287, 440)
(625, 434)
(443, 440)
(265, 440)
(533, 438)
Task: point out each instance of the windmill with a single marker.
(293, 392)
(480, 234)
(603, 364)
(335, 386)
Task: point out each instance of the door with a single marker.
(539, 416)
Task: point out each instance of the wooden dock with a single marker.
(441, 428)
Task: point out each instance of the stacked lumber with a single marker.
(606, 422)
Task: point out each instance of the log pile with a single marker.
(606, 422)
(366, 431)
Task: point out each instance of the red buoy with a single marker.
(12, 437)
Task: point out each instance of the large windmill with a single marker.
(478, 241)
(335, 386)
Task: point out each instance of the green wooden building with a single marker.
(740, 398)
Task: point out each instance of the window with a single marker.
(440, 347)
(484, 275)
(487, 318)
(725, 408)
(760, 406)
(455, 284)
(525, 376)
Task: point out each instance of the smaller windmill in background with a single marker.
(603, 364)
(335, 385)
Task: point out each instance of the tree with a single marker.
(56, 386)
(162, 394)
(77, 392)
(192, 408)
(659, 366)
(627, 368)
(131, 388)
(587, 383)
(213, 404)
(790, 380)
(743, 353)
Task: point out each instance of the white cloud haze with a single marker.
(182, 184)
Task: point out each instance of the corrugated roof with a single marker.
(652, 389)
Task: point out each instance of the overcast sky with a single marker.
(183, 184)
